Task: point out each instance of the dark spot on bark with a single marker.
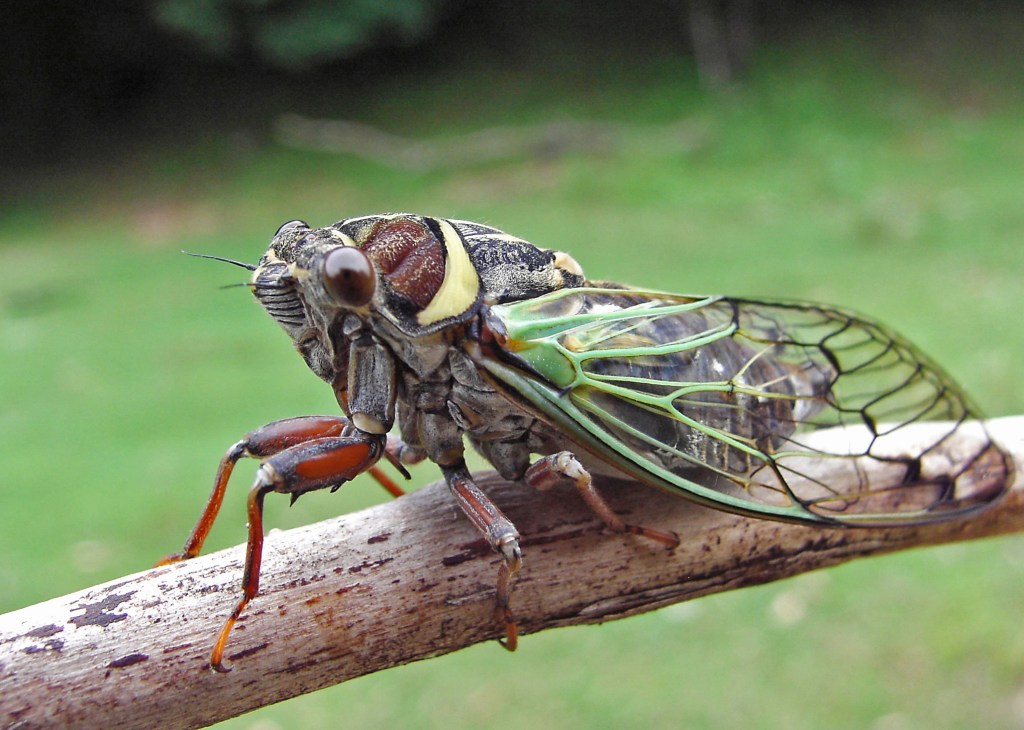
(51, 645)
(248, 652)
(177, 647)
(369, 564)
(292, 668)
(303, 581)
(100, 613)
(127, 661)
(470, 550)
(41, 632)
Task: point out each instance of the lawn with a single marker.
(834, 172)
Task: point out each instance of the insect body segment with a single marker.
(455, 331)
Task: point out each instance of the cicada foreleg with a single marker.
(548, 471)
(500, 534)
(303, 454)
(271, 439)
(315, 464)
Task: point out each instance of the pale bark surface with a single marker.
(392, 584)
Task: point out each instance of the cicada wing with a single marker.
(785, 410)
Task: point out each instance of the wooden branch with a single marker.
(389, 585)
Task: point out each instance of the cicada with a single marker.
(456, 331)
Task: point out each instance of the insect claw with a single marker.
(395, 461)
(510, 642)
(508, 546)
(217, 655)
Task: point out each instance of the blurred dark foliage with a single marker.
(72, 73)
(78, 76)
(299, 34)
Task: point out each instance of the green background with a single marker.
(844, 167)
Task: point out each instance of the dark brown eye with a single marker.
(349, 276)
(290, 225)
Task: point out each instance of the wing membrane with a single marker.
(787, 410)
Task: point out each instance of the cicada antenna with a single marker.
(242, 264)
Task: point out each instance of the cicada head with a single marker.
(406, 275)
(422, 274)
(413, 271)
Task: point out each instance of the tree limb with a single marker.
(395, 583)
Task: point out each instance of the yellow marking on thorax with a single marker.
(567, 263)
(460, 286)
(346, 240)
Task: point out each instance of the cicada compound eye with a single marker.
(349, 276)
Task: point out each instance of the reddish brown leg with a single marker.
(266, 441)
(305, 454)
(548, 471)
(316, 464)
(500, 534)
(387, 482)
(251, 574)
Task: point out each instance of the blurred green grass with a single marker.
(836, 176)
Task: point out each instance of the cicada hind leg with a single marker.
(550, 470)
(299, 455)
(500, 534)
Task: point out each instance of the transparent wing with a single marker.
(786, 410)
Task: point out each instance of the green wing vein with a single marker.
(778, 409)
